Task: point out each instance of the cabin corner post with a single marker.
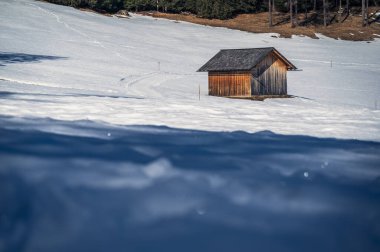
(286, 82)
(209, 84)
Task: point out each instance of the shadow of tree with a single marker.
(374, 18)
(13, 58)
(16, 95)
(97, 187)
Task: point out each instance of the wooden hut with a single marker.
(247, 72)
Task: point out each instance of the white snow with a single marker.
(68, 183)
(143, 71)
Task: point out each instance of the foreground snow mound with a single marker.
(97, 187)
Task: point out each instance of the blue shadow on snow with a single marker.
(12, 58)
(99, 187)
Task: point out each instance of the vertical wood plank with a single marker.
(230, 83)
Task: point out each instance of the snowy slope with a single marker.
(84, 166)
(62, 63)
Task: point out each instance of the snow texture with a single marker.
(105, 145)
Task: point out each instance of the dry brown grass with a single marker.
(350, 29)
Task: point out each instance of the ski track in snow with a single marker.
(59, 20)
(336, 62)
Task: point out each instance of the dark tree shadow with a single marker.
(374, 19)
(282, 21)
(103, 187)
(312, 17)
(15, 95)
(13, 58)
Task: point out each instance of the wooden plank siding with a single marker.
(230, 83)
(269, 76)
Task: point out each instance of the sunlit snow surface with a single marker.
(105, 145)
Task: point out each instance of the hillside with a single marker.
(309, 25)
(343, 19)
(106, 144)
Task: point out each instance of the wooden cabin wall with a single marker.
(269, 77)
(229, 83)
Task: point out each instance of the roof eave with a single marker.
(290, 65)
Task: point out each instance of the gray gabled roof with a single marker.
(241, 59)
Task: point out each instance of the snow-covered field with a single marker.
(105, 145)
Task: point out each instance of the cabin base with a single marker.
(259, 97)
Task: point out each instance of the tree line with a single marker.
(224, 9)
(341, 7)
(221, 9)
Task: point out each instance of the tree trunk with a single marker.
(270, 12)
(340, 4)
(315, 5)
(291, 13)
(324, 13)
(296, 12)
(367, 14)
(363, 13)
(348, 6)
